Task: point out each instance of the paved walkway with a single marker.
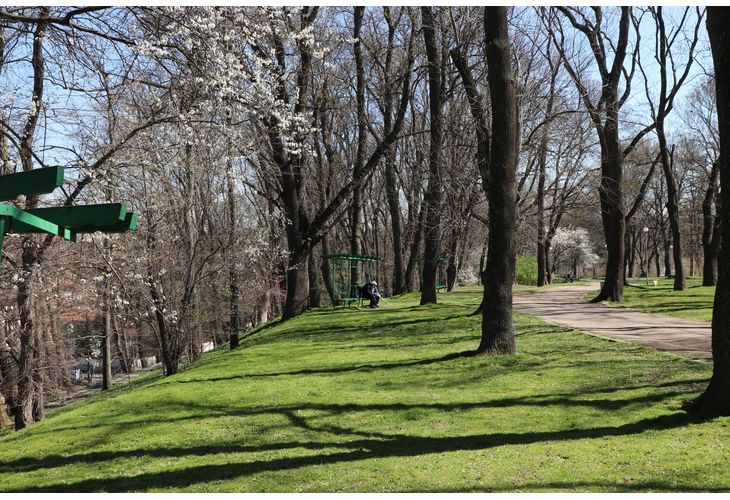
(84, 390)
(563, 305)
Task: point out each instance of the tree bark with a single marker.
(433, 196)
(315, 292)
(391, 180)
(106, 382)
(710, 230)
(498, 334)
(451, 267)
(667, 256)
(716, 398)
(301, 232)
(234, 324)
(548, 271)
(612, 210)
(542, 163)
(414, 250)
(605, 119)
(297, 285)
(356, 209)
(325, 269)
(391, 193)
(672, 210)
(667, 92)
(28, 359)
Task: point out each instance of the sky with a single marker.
(634, 110)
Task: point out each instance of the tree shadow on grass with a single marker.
(345, 333)
(367, 367)
(592, 486)
(292, 414)
(384, 446)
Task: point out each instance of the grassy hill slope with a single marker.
(380, 400)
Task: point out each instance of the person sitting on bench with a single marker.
(369, 291)
(374, 295)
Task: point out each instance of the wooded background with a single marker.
(253, 140)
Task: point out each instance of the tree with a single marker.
(432, 200)
(700, 120)
(498, 334)
(716, 397)
(604, 113)
(573, 247)
(671, 80)
(78, 31)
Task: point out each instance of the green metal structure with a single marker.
(347, 273)
(441, 281)
(66, 221)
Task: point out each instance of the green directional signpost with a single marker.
(65, 221)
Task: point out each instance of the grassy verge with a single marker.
(381, 400)
(556, 282)
(693, 303)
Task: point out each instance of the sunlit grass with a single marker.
(694, 303)
(384, 400)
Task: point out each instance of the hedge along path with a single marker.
(564, 305)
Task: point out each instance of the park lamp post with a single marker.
(646, 254)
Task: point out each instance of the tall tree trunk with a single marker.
(549, 274)
(672, 208)
(668, 70)
(106, 382)
(315, 293)
(297, 285)
(612, 209)
(325, 269)
(415, 248)
(483, 260)
(451, 267)
(391, 180)
(356, 212)
(169, 343)
(626, 260)
(8, 378)
(716, 398)
(234, 292)
(498, 334)
(433, 196)
(391, 193)
(120, 343)
(28, 359)
(709, 231)
(541, 163)
(39, 378)
(542, 269)
(604, 114)
(667, 255)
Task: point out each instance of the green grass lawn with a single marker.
(381, 400)
(521, 289)
(694, 303)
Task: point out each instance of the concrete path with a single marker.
(86, 389)
(563, 305)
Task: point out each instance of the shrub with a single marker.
(526, 271)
